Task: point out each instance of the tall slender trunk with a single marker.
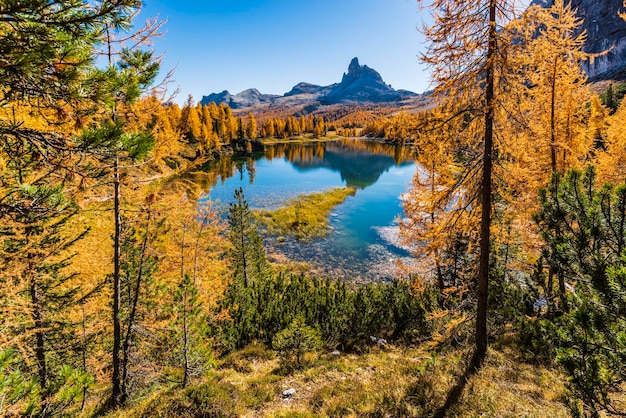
(133, 313)
(84, 348)
(553, 164)
(185, 284)
(185, 336)
(563, 293)
(244, 260)
(554, 168)
(184, 303)
(197, 249)
(184, 287)
(549, 287)
(37, 317)
(182, 252)
(117, 330)
(485, 224)
(554, 265)
(440, 281)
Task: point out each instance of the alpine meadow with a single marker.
(341, 250)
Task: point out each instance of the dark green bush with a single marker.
(584, 230)
(342, 315)
(295, 341)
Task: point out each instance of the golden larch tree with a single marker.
(612, 158)
(467, 53)
(251, 126)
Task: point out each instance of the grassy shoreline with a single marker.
(299, 139)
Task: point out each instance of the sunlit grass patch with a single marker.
(507, 387)
(260, 391)
(243, 360)
(211, 398)
(304, 217)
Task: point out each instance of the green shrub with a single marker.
(343, 316)
(295, 341)
(584, 230)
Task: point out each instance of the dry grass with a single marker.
(507, 387)
(395, 382)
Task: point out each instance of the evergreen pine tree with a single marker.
(584, 230)
(192, 352)
(247, 253)
(296, 340)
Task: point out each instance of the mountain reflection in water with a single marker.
(362, 244)
(358, 167)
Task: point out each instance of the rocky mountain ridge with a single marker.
(361, 84)
(606, 36)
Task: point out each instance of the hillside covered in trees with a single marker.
(121, 296)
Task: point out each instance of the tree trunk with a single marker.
(39, 333)
(182, 251)
(549, 287)
(197, 249)
(117, 331)
(244, 261)
(563, 293)
(440, 282)
(553, 164)
(84, 349)
(133, 313)
(185, 336)
(485, 224)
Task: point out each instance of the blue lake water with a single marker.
(362, 244)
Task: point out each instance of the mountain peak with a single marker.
(360, 84)
(357, 71)
(354, 66)
(304, 88)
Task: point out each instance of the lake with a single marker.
(362, 244)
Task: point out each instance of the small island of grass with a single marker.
(304, 217)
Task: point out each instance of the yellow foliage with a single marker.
(612, 159)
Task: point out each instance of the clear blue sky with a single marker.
(274, 44)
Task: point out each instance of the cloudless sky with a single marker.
(272, 45)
